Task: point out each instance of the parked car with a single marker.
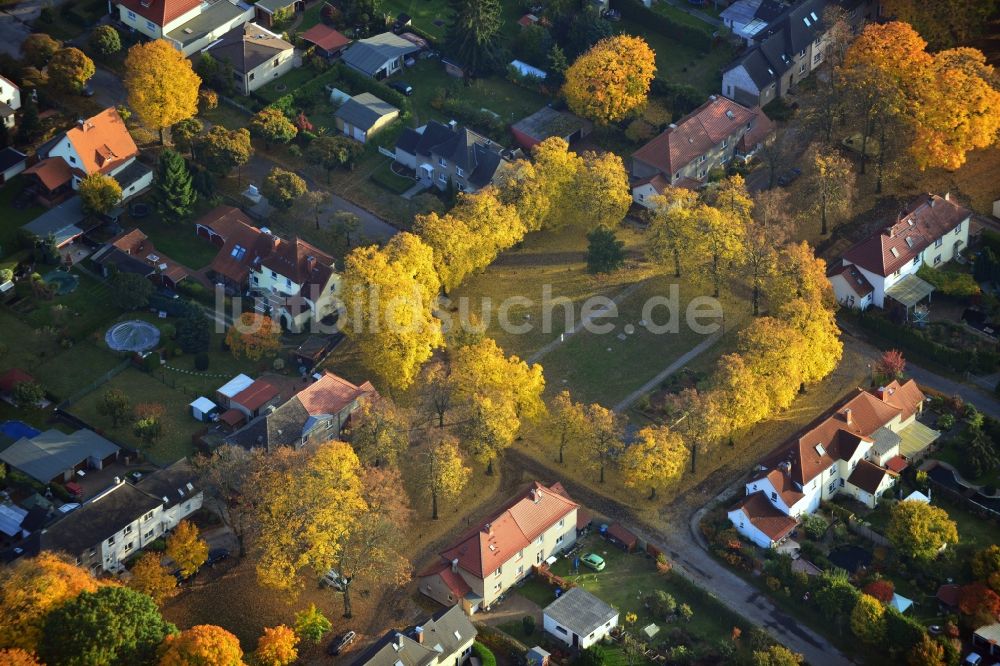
(594, 561)
(86, 90)
(332, 578)
(338, 645)
(217, 555)
(789, 177)
(401, 87)
(973, 659)
(612, 15)
(934, 629)
(69, 506)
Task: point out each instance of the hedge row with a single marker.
(917, 344)
(356, 83)
(685, 34)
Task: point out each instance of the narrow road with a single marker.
(692, 562)
(685, 358)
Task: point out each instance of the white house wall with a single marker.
(743, 525)
(565, 634)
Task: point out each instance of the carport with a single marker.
(909, 291)
(915, 438)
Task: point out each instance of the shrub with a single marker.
(151, 363)
(950, 283)
(485, 655)
(778, 110)
(201, 361)
(528, 624)
(685, 34)
(946, 421)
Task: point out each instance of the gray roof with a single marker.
(271, 6)
(98, 519)
(221, 13)
(132, 174)
(60, 221)
(547, 122)
(364, 110)
(475, 154)
(172, 485)
(443, 634)
(10, 157)
(885, 440)
(580, 612)
(52, 452)
(247, 47)
(788, 34)
(368, 55)
(282, 427)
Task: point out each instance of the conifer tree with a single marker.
(175, 191)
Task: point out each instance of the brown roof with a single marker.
(923, 222)
(948, 594)
(54, 172)
(232, 417)
(619, 532)
(765, 516)
(855, 279)
(490, 545)
(13, 377)
(838, 434)
(455, 582)
(896, 464)
(160, 12)
(325, 37)
(136, 244)
(330, 394)
(783, 485)
(256, 395)
(244, 244)
(904, 397)
(299, 261)
(657, 180)
(102, 142)
(697, 133)
(867, 476)
(758, 132)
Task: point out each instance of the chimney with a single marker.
(880, 393)
(453, 124)
(932, 201)
(310, 263)
(848, 417)
(947, 196)
(454, 565)
(712, 97)
(488, 528)
(673, 126)
(418, 633)
(118, 480)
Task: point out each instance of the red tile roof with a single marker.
(657, 181)
(855, 279)
(243, 243)
(783, 485)
(325, 37)
(765, 516)
(526, 517)
(160, 12)
(904, 397)
(54, 172)
(618, 531)
(918, 227)
(301, 262)
(455, 582)
(232, 417)
(256, 395)
(330, 394)
(135, 243)
(697, 133)
(102, 142)
(838, 434)
(867, 476)
(13, 377)
(896, 464)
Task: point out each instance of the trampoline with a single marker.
(64, 282)
(17, 429)
(132, 336)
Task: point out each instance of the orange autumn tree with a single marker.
(956, 109)
(277, 646)
(29, 589)
(201, 644)
(610, 80)
(254, 336)
(18, 657)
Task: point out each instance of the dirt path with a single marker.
(684, 359)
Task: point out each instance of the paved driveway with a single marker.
(14, 24)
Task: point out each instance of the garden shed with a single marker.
(203, 408)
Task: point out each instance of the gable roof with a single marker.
(475, 154)
(868, 476)
(247, 47)
(160, 12)
(364, 110)
(548, 122)
(49, 454)
(299, 261)
(102, 517)
(330, 394)
(53, 172)
(243, 245)
(855, 279)
(580, 611)
(839, 433)
(786, 34)
(368, 55)
(924, 221)
(145, 258)
(102, 142)
(171, 485)
(511, 530)
(438, 637)
(256, 395)
(697, 133)
(765, 516)
(11, 157)
(325, 37)
(60, 222)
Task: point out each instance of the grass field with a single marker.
(14, 218)
(177, 240)
(679, 63)
(682, 17)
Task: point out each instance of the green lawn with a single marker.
(431, 16)
(87, 361)
(13, 218)
(625, 582)
(682, 17)
(679, 63)
(288, 83)
(77, 314)
(177, 239)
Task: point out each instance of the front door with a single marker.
(576, 641)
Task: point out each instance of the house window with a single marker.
(832, 487)
(895, 274)
(749, 125)
(701, 159)
(774, 496)
(129, 545)
(562, 522)
(916, 260)
(251, 77)
(701, 174)
(958, 228)
(802, 53)
(939, 242)
(111, 541)
(150, 25)
(520, 570)
(802, 68)
(131, 16)
(443, 178)
(520, 554)
(128, 529)
(288, 283)
(442, 162)
(841, 483)
(254, 279)
(539, 540)
(559, 539)
(72, 159)
(148, 516)
(937, 260)
(725, 142)
(274, 275)
(459, 172)
(148, 535)
(817, 58)
(277, 61)
(498, 571)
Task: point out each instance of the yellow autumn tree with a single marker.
(29, 589)
(18, 657)
(868, 619)
(301, 530)
(602, 441)
(956, 110)
(149, 576)
(673, 228)
(201, 644)
(186, 548)
(445, 473)
(741, 391)
(470, 236)
(253, 336)
(717, 250)
(162, 86)
(655, 459)
(389, 297)
(603, 183)
(611, 80)
(772, 350)
(277, 646)
(821, 348)
(569, 420)
(501, 392)
(542, 190)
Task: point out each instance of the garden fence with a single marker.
(868, 533)
(100, 381)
